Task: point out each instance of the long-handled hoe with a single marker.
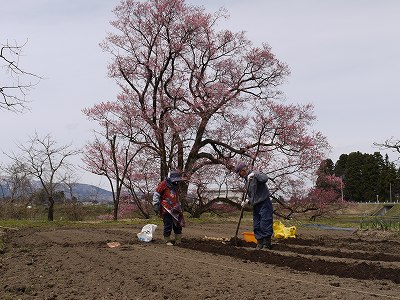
(241, 211)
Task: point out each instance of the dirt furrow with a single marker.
(358, 270)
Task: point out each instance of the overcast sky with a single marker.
(343, 55)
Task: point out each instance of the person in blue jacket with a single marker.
(258, 197)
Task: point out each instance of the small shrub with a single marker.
(17, 211)
(73, 211)
(223, 208)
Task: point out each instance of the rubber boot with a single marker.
(264, 243)
(268, 243)
(167, 240)
(260, 244)
(178, 239)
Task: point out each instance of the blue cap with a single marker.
(240, 166)
(174, 176)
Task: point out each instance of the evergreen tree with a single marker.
(388, 179)
(340, 166)
(352, 177)
(368, 177)
(371, 170)
(326, 168)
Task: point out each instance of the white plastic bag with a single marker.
(146, 235)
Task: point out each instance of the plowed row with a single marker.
(303, 255)
(76, 263)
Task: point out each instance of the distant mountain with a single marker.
(87, 192)
(81, 191)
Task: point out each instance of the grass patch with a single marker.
(394, 211)
(19, 224)
(360, 209)
(380, 223)
(357, 216)
(43, 223)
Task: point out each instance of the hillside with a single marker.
(83, 192)
(86, 192)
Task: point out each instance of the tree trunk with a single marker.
(183, 191)
(50, 214)
(116, 205)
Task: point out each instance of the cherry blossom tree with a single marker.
(110, 156)
(194, 97)
(323, 199)
(140, 183)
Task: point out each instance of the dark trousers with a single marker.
(171, 224)
(262, 219)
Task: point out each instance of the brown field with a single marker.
(76, 263)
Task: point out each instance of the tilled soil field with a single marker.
(77, 263)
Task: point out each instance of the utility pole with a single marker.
(390, 191)
(341, 187)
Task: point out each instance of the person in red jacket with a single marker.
(166, 203)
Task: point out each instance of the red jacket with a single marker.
(169, 200)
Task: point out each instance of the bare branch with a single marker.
(17, 82)
(392, 144)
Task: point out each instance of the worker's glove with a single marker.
(175, 211)
(250, 176)
(156, 208)
(244, 202)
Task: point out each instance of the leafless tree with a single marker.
(3, 183)
(392, 144)
(16, 181)
(15, 82)
(44, 160)
(70, 180)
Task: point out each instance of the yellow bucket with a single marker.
(249, 237)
